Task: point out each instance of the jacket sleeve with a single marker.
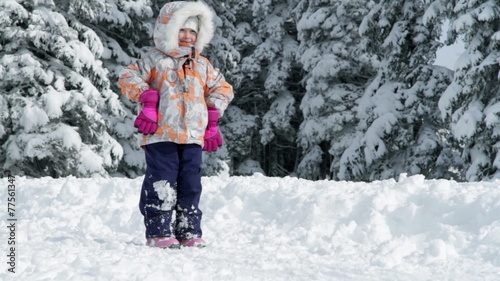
(218, 92)
(135, 78)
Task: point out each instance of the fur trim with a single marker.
(172, 17)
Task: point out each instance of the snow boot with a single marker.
(163, 242)
(196, 242)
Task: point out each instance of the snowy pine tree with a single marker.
(55, 99)
(126, 31)
(471, 103)
(265, 37)
(338, 68)
(276, 56)
(236, 39)
(224, 55)
(399, 125)
(222, 51)
(324, 89)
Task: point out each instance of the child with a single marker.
(182, 98)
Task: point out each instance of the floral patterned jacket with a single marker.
(186, 81)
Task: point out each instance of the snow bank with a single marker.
(261, 228)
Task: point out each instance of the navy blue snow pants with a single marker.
(171, 190)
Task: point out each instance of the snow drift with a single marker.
(261, 228)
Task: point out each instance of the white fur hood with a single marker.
(171, 18)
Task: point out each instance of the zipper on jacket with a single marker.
(188, 66)
(185, 67)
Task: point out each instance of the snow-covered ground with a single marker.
(260, 228)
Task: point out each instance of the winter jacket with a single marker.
(186, 81)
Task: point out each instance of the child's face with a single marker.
(187, 35)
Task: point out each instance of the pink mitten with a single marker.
(147, 121)
(213, 138)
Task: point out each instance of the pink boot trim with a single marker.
(163, 242)
(196, 242)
